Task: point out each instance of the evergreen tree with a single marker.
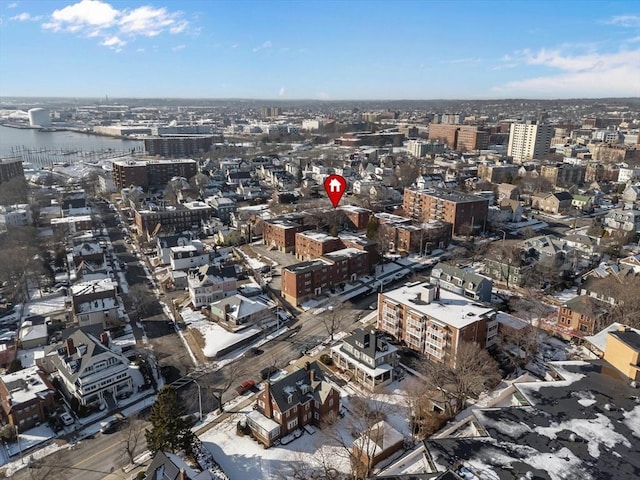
(372, 227)
(170, 428)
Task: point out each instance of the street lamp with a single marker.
(19, 445)
(199, 398)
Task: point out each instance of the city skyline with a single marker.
(319, 50)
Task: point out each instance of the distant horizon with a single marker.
(289, 100)
(351, 50)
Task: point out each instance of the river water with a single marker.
(27, 139)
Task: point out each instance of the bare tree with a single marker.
(510, 256)
(298, 467)
(364, 414)
(231, 375)
(334, 319)
(469, 374)
(133, 436)
(141, 300)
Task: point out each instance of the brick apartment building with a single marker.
(497, 173)
(10, 168)
(466, 212)
(281, 234)
(151, 173)
(358, 216)
(306, 279)
(563, 174)
(313, 244)
(435, 322)
(177, 146)
(184, 216)
(400, 234)
(463, 138)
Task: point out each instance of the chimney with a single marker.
(104, 339)
(70, 348)
(312, 375)
(182, 475)
(624, 328)
(307, 366)
(437, 297)
(268, 409)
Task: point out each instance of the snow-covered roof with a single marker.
(25, 385)
(583, 426)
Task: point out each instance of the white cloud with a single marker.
(264, 45)
(625, 20)
(177, 48)
(282, 92)
(95, 18)
(25, 17)
(114, 42)
(12, 5)
(323, 96)
(79, 16)
(149, 21)
(591, 74)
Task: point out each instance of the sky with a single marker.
(327, 50)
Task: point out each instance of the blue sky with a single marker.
(332, 50)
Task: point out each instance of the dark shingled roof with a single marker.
(631, 338)
(584, 426)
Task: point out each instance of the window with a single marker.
(292, 424)
(331, 402)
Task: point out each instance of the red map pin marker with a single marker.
(335, 186)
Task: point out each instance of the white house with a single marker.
(88, 369)
(209, 283)
(184, 258)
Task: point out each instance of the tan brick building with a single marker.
(434, 322)
(623, 352)
(579, 315)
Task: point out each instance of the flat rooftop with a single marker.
(450, 309)
(317, 236)
(142, 163)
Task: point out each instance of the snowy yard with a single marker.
(216, 338)
(44, 306)
(243, 458)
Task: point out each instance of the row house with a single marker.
(301, 398)
(88, 369)
(434, 321)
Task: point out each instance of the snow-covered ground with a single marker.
(30, 439)
(243, 458)
(28, 357)
(216, 338)
(44, 306)
(566, 295)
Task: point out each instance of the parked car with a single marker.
(255, 351)
(245, 386)
(66, 419)
(267, 372)
(112, 425)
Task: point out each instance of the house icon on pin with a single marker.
(335, 186)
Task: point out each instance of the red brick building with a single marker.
(358, 216)
(27, 398)
(313, 244)
(466, 212)
(312, 278)
(281, 234)
(301, 398)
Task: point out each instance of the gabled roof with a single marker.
(563, 196)
(367, 342)
(299, 387)
(456, 272)
(587, 306)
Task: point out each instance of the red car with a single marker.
(245, 386)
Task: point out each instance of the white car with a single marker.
(66, 419)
